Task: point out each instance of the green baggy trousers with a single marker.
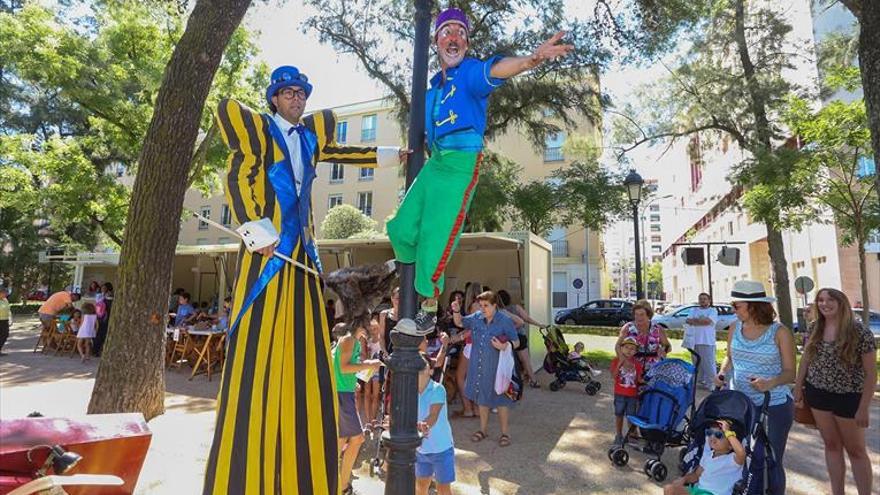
(428, 224)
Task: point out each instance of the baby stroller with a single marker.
(558, 364)
(664, 407)
(749, 425)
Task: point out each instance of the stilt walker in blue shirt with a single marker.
(429, 222)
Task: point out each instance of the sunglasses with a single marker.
(715, 432)
(286, 76)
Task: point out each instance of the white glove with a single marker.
(258, 234)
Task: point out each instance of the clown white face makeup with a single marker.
(452, 44)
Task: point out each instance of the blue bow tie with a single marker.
(298, 128)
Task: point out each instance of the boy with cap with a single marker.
(276, 428)
(428, 224)
(627, 373)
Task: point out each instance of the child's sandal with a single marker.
(504, 440)
(478, 436)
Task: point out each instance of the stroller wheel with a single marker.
(592, 388)
(659, 472)
(647, 467)
(554, 386)
(620, 457)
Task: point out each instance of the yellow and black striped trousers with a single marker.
(276, 410)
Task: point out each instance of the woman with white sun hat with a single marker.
(761, 355)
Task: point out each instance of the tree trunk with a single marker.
(869, 64)
(863, 277)
(131, 374)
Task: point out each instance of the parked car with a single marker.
(38, 295)
(602, 312)
(675, 319)
(873, 323)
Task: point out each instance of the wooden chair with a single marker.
(46, 335)
(65, 343)
(182, 348)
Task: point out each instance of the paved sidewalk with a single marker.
(559, 445)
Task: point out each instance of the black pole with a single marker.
(640, 293)
(709, 265)
(405, 362)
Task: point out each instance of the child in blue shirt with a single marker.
(185, 310)
(435, 457)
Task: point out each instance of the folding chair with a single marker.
(46, 335)
(66, 341)
(182, 347)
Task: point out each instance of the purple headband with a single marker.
(451, 15)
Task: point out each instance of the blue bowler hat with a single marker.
(284, 76)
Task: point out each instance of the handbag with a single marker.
(804, 416)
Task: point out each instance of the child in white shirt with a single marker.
(720, 467)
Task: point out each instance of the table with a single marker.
(213, 337)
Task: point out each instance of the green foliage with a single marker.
(345, 222)
(489, 208)
(77, 98)
(654, 279)
(590, 194)
(536, 207)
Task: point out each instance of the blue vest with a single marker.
(463, 97)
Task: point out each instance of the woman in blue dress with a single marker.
(492, 332)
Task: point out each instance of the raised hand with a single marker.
(550, 49)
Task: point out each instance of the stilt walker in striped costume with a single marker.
(276, 417)
(428, 224)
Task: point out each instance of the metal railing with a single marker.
(560, 248)
(553, 154)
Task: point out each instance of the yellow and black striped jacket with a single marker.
(254, 150)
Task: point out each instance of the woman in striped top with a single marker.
(761, 353)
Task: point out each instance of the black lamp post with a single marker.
(633, 184)
(405, 363)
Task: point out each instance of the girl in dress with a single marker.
(86, 332)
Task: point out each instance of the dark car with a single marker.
(603, 312)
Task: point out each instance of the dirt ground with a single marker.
(560, 439)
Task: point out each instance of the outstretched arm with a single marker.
(508, 67)
(323, 124)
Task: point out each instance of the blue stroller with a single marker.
(749, 424)
(662, 420)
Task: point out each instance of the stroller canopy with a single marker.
(727, 404)
(672, 372)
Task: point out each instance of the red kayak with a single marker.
(93, 452)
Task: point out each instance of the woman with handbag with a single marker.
(836, 381)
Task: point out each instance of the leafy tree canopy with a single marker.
(345, 221)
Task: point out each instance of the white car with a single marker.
(675, 318)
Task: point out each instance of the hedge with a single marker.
(25, 308)
(720, 336)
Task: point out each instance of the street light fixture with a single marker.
(633, 184)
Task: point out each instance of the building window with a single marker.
(365, 203)
(224, 240)
(655, 227)
(656, 249)
(201, 241)
(553, 147)
(341, 132)
(368, 128)
(225, 215)
(334, 200)
(560, 290)
(337, 173)
(656, 259)
(821, 259)
(560, 248)
(366, 174)
(654, 207)
(206, 212)
(695, 154)
(730, 228)
(867, 167)
(656, 238)
(655, 217)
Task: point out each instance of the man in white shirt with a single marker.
(701, 327)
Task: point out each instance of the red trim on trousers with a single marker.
(459, 220)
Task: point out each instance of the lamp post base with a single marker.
(403, 437)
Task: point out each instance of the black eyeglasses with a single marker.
(287, 76)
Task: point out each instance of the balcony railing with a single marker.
(553, 154)
(560, 248)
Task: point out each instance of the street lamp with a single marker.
(633, 184)
(405, 362)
